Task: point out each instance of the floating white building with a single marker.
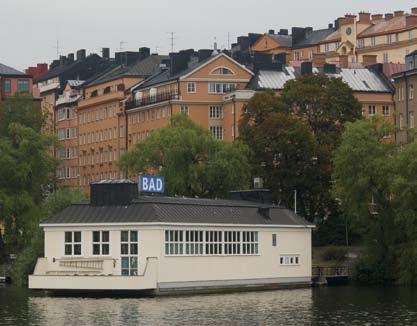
(164, 245)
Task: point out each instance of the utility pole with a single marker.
(295, 201)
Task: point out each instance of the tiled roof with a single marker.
(386, 26)
(179, 210)
(314, 37)
(359, 79)
(75, 83)
(143, 68)
(6, 70)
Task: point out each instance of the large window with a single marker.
(129, 252)
(373, 41)
(215, 112)
(191, 87)
(73, 243)
(220, 88)
(411, 91)
(197, 242)
(411, 120)
(371, 110)
(101, 242)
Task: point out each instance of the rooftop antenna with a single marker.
(58, 48)
(215, 51)
(172, 38)
(228, 40)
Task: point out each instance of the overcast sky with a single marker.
(30, 29)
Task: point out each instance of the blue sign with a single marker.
(151, 184)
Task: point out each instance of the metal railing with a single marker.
(160, 97)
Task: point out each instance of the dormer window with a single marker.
(222, 71)
(107, 90)
(120, 87)
(94, 93)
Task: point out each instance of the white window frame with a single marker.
(131, 257)
(217, 132)
(385, 110)
(72, 243)
(411, 92)
(289, 260)
(184, 109)
(191, 87)
(411, 121)
(216, 112)
(371, 110)
(100, 244)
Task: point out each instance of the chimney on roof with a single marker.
(203, 54)
(298, 34)
(81, 55)
(306, 68)
(369, 59)
(243, 42)
(377, 18)
(283, 32)
(414, 10)
(71, 57)
(271, 32)
(105, 53)
(179, 61)
(330, 26)
(399, 13)
(389, 16)
(411, 20)
(350, 19)
(343, 61)
(364, 18)
(341, 21)
(62, 60)
(144, 52)
(319, 59)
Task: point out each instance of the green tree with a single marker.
(26, 168)
(193, 162)
(375, 182)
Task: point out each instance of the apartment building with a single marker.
(390, 37)
(66, 126)
(13, 81)
(206, 85)
(405, 99)
(370, 86)
(101, 118)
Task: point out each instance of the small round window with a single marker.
(348, 30)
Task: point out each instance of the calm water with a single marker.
(320, 306)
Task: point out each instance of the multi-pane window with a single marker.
(194, 242)
(385, 110)
(23, 85)
(361, 43)
(371, 110)
(411, 91)
(222, 71)
(327, 47)
(213, 242)
(220, 88)
(411, 120)
(289, 260)
(184, 109)
(249, 243)
(385, 58)
(101, 242)
(191, 87)
(373, 41)
(72, 243)
(232, 242)
(410, 35)
(215, 112)
(389, 39)
(174, 242)
(7, 86)
(217, 132)
(129, 252)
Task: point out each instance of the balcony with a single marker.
(148, 100)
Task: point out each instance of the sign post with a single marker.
(149, 183)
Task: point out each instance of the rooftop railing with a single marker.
(153, 99)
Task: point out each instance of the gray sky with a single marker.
(30, 28)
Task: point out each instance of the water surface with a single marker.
(318, 306)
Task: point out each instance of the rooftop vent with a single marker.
(117, 192)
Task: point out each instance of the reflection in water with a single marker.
(289, 307)
(319, 306)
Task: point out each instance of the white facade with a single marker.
(240, 255)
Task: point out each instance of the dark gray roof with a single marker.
(9, 71)
(314, 37)
(284, 40)
(178, 210)
(143, 68)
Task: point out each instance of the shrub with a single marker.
(334, 253)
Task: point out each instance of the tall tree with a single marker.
(192, 161)
(26, 168)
